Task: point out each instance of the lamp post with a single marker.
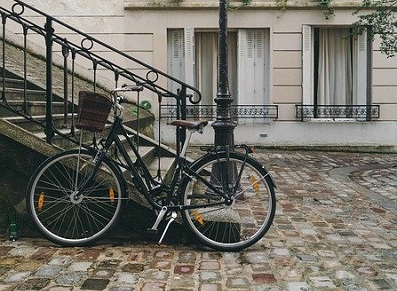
(223, 125)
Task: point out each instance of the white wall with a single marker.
(302, 134)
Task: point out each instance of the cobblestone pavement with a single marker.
(335, 229)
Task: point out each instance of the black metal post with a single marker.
(223, 125)
(3, 71)
(49, 130)
(369, 72)
(65, 53)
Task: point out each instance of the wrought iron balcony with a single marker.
(243, 114)
(358, 112)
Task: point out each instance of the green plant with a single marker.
(328, 6)
(243, 3)
(382, 20)
(282, 4)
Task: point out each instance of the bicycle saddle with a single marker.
(192, 125)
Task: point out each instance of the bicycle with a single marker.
(225, 197)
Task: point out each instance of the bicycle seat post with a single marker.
(191, 126)
(186, 144)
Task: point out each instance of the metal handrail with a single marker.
(152, 78)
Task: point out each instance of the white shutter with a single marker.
(307, 66)
(241, 65)
(260, 89)
(177, 62)
(176, 59)
(360, 70)
(189, 55)
(251, 67)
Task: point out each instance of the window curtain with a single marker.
(206, 65)
(335, 74)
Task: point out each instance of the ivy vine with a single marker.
(381, 20)
(282, 4)
(328, 6)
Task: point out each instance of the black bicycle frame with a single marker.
(142, 178)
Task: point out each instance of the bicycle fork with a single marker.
(160, 216)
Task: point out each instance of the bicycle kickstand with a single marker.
(160, 216)
(172, 218)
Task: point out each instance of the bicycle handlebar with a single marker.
(139, 88)
(127, 88)
(125, 99)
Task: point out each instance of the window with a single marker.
(193, 57)
(335, 70)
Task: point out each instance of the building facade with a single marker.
(297, 74)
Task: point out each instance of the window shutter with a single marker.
(260, 89)
(241, 64)
(251, 67)
(307, 66)
(189, 55)
(176, 59)
(360, 70)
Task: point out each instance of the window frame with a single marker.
(362, 72)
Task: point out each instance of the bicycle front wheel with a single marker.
(244, 219)
(63, 212)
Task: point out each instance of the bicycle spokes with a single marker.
(75, 217)
(231, 203)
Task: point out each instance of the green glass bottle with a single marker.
(13, 229)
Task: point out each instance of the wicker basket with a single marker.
(93, 111)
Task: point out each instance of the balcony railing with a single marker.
(243, 114)
(357, 112)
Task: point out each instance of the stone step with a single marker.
(58, 120)
(12, 83)
(33, 108)
(18, 94)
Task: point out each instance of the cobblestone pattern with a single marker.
(332, 231)
(381, 181)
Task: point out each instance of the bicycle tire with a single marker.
(246, 220)
(66, 220)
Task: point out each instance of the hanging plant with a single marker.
(282, 4)
(329, 8)
(243, 4)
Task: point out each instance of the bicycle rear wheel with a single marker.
(65, 218)
(250, 212)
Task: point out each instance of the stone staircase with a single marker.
(33, 128)
(23, 147)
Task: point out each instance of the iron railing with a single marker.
(357, 112)
(243, 114)
(68, 54)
